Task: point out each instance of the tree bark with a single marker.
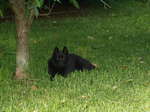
(22, 26)
(22, 52)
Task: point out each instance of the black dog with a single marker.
(63, 63)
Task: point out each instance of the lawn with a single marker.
(117, 40)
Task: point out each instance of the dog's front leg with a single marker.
(67, 71)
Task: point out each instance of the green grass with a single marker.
(117, 40)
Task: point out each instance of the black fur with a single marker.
(63, 63)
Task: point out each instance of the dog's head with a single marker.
(60, 57)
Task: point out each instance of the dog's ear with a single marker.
(65, 50)
(56, 50)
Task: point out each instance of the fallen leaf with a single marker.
(33, 87)
(124, 67)
(114, 87)
(90, 37)
(146, 84)
(35, 41)
(128, 81)
(84, 97)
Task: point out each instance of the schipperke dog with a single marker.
(62, 62)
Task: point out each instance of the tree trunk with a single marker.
(22, 52)
(23, 23)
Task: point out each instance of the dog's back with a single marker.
(80, 63)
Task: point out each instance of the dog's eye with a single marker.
(61, 57)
